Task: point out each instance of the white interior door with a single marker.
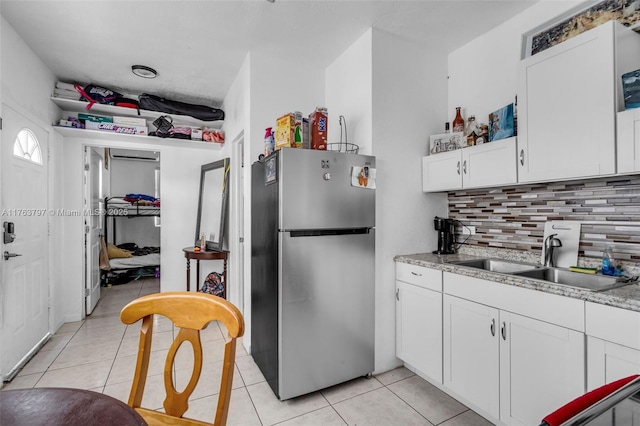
(25, 283)
(93, 208)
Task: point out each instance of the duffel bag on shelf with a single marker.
(200, 112)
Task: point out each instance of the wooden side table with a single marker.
(189, 254)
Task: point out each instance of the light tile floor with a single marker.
(99, 354)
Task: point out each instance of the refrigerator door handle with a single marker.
(322, 232)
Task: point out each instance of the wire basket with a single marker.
(343, 145)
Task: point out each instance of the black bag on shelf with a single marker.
(200, 112)
(97, 94)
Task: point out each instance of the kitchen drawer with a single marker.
(615, 325)
(419, 275)
(552, 308)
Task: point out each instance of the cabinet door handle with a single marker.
(398, 294)
(493, 327)
(464, 167)
(522, 157)
(416, 274)
(458, 167)
(503, 331)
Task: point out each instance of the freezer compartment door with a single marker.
(316, 190)
(326, 310)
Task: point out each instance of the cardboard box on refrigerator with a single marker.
(318, 126)
(285, 131)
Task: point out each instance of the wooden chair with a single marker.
(190, 312)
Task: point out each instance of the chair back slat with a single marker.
(191, 313)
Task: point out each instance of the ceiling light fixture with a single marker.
(143, 71)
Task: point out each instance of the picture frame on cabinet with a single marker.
(575, 21)
(446, 142)
(501, 123)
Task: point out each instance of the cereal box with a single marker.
(318, 124)
(285, 131)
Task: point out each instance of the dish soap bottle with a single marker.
(608, 264)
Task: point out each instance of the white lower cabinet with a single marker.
(471, 353)
(419, 319)
(613, 344)
(512, 367)
(541, 368)
(608, 362)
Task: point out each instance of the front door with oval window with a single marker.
(25, 280)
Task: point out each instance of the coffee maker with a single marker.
(446, 235)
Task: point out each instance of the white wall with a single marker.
(134, 177)
(237, 127)
(482, 74)
(348, 93)
(406, 111)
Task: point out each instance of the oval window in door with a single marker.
(26, 146)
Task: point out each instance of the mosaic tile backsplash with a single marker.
(513, 217)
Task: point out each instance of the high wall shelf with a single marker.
(72, 106)
(98, 109)
(72, 132)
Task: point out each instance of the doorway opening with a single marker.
(122, 227)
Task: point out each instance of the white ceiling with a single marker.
(198, 46)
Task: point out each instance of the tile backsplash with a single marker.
(513, 217)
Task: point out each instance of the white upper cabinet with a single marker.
(489, 164)
(568, 98)
(629, 141)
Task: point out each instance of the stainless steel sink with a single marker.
(575, 279)
(552, 275)
(498, 265)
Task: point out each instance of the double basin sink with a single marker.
(552, 275)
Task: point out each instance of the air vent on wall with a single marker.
(135, 155)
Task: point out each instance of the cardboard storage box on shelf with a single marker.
(86, 118)
(117, 128)
(130, 121)
(285, 131)
(196, 134)
(306, 136)
(318, 124)
(297, 129)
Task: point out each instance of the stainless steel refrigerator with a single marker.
(312, 268)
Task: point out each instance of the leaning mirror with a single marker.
(212, 205)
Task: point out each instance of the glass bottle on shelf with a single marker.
(458, 122)
(446, 127)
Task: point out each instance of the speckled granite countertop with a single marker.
(627, 297)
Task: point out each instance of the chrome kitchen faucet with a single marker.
(550, 244)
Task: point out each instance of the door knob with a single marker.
(7, 255)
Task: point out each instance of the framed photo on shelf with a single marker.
(446, 142)
(501, 123)
(582, 18)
